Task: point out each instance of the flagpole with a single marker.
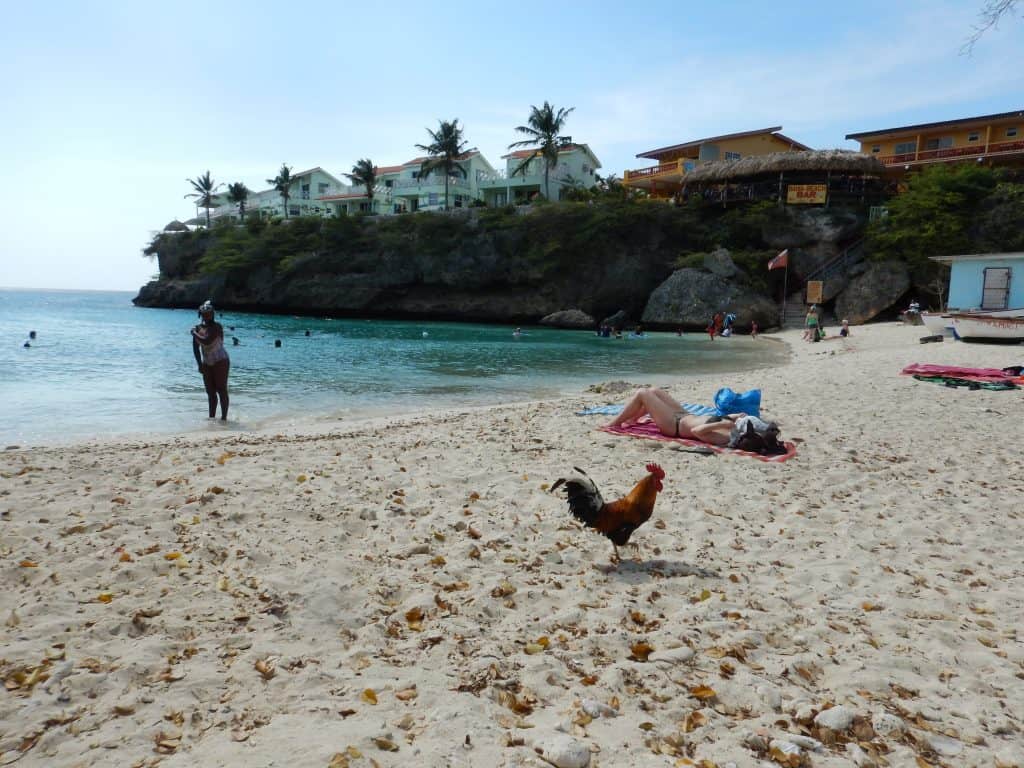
(785, 284)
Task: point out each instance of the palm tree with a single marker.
(205, 189)
(238, 193)
(364, 172)
(445, 148)
(543, 127)
(282, 183)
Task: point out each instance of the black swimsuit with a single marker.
(679, 417)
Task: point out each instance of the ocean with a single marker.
(101, 367)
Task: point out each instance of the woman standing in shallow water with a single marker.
(212, 359)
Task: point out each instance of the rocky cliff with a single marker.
(652, 262)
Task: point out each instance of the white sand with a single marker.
(880, 569)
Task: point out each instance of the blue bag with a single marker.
(727, 401)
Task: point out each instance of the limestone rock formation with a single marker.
(719, 262)
(873, 291)
(690, 297)
(569, 318)
(619, 320)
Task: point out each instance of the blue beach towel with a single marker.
(613, 410)
(726, 402)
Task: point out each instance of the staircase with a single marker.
(796, 309)
(796, 313)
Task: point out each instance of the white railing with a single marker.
(504, 177)
(431, 181)
(380, 192)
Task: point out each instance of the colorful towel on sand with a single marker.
(956, 372)
(950, 381)
(648, 429)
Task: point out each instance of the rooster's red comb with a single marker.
(657, 471)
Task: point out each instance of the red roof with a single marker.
(963, 121)
(380, 170)
(422, 160)
(654, 154)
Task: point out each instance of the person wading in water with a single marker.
(212, 359)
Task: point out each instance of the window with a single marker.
(973, 136)
(415, 174)
(905, 148)
(941, 143)
(876, 148)
(389, 183)
(321, 188)
(293, 210)
(732, 155)
(995, 288)
(1011, 132)
(432, 198)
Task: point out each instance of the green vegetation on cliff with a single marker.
(948, 210)
(549, 238)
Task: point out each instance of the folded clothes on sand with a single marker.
(649, 430)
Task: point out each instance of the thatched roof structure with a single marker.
(836, 160)
(175, 226)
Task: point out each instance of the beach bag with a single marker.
(750, 433)
(726, 402)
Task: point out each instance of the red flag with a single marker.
(780, 261)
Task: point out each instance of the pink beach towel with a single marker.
(648, 429)
(956, 372)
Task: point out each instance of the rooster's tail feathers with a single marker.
(585, 501)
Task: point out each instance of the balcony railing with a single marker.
(676, 166)
(431, 181)
(931, 155)
(503, 177)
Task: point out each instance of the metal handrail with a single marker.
(839, 261)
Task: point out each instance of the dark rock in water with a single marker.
(691, 297)
(874, 291)
(719, 262)
(569, 318)
(179, 294)
(619, 320)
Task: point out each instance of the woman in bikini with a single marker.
(672, 420)
(212, 359)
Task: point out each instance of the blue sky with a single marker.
(108, 107)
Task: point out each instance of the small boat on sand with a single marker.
(990, 326)
(941, 323)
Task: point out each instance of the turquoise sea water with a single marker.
(101, 367)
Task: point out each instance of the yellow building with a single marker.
(991, 139)
(666, 178)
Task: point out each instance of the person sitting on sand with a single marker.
(672, 420)
(845, 330)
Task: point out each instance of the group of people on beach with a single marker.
(814, 327)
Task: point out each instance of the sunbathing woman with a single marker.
(672, 420)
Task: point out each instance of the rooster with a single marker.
(618, 519)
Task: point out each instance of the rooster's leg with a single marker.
(636, 550)
(615, 555)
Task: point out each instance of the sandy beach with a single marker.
(409, 593)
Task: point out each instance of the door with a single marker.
(995, 291)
